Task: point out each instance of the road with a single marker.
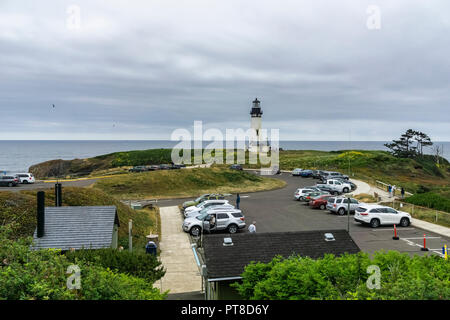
(277, 211)
(47, 185)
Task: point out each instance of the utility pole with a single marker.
(130, 236)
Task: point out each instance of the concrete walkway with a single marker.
(364, 187)
(182, 274)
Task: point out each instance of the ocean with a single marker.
(19, 155)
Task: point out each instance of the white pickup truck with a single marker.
(336, 185)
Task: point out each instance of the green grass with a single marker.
(20, 208)
(184, 183)
(430, 200)
(422, 213)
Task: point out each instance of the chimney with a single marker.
(40, 213)
(58, 195)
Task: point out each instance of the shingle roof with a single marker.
(77, 227)
(229, 261)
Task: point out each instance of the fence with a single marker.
(384, 186)
(422, 213)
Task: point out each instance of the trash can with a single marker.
(151, 248)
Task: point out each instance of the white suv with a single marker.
(26, 177)
(377, 215)
(205, 204)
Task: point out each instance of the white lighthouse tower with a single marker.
(256, 114)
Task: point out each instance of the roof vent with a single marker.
(227, 242)
(329, 237)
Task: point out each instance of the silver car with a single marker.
(189, 211)
(209, 209)
(339, 205)
(226, 219)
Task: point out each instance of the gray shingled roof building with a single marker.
(68, 228)
(224, 264)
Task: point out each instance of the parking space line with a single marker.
(420, 238)
(402, 229)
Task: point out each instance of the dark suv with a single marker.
(9, 181)
(236, 167)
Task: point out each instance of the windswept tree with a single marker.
(423, 140)
(410, 144)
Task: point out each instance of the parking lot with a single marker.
(276, 211)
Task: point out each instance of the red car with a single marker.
(320, 202)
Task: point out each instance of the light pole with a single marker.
(348, 215)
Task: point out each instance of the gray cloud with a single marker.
(141, 70)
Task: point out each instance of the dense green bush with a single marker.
(41, 274)
(344, 277)
(136, 263)
(431, 200)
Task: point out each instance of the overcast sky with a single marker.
(141, 69)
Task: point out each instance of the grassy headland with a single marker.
(184, 183)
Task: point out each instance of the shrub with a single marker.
(41, 274)
(136, 263)
(344, 277)
(431, 200)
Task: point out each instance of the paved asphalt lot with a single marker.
(276, 211)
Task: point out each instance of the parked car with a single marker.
(165, 167)
(138, 169)
(352, 185)
(336, 185)
(320, 201)
(326, 175)
(202, 198)
(209, 209)
(236, 167)
(26, 178)
(316, 174)
(9, 181)
(376, 215)
(324, 187)
(301, 193)
(227, 219)
(153, 168)
(311, 195)
(175, 167)
(306, 173)
(339, 205)
(297, 172)
(203, 205)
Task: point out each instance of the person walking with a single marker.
(252, 227)
(238, 201)
(390, 191)
(402, 191)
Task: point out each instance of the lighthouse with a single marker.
(256, 114)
